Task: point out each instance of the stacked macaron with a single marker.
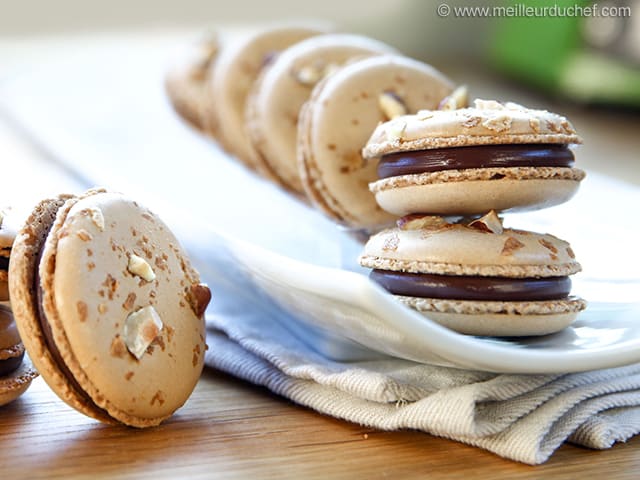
(15, 370)
(474, 275)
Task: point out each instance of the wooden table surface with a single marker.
(232, 429)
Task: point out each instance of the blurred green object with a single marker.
(586, 57)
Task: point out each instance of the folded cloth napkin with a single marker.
(519, 417)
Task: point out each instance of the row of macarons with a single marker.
(367, 136)
(297, 105)
(99, 294)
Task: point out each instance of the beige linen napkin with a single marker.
(519, 417)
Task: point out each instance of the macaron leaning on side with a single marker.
(109, 308)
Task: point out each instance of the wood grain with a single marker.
(230, 429)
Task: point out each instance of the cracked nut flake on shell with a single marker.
(417, 221)
(140, 329)
(96, 217)
(481, 104)
(459, 98)
(139, 266)
(396, 130)
(490, 222)
(308, 75)
(391, 105)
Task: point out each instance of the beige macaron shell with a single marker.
(276, 98)
(500, 319)
(237, 67)
(186, 83)
(338, 120)
(88, 303)
(462, 250)
(477, 190)
(488, 123)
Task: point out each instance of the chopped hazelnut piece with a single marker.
(395, 131)
(139, 266)
(391, 243)
(491, 222)
(308, 75)
(391, 105)
(487, 104)
(498, 123)
(199, 297)
(97, 218)
(140, 329)
(416, 221)
(459, 98)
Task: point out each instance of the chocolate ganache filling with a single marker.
(4, 263)
(472, 288)
(47, 333)
(10, 364)
(483, 156)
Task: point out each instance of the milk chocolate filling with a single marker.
(56, 356)
(483, 156)
(472, 288)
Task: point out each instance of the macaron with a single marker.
(186, 83)
(275, 100)
(16, 373)
(7, 236)
(237, 67)
(467, 161)
(477, 277)
(109, 308)
(337, 120)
